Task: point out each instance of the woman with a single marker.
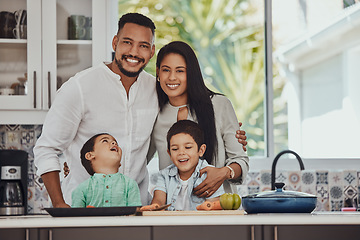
(182, 94)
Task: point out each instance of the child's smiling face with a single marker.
(185, 154)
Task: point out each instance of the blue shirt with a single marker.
(168, 182)
(107, 190)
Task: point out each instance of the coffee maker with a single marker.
(13, 182)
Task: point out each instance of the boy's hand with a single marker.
(215, 177)
(149, 207)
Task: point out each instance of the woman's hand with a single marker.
(241, 136)
(215, 177)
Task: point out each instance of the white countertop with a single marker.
(46, 221)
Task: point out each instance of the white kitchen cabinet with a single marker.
(47, 57)
(22, 56)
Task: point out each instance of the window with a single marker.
(317, 51)
(228, 37)
(314, 105)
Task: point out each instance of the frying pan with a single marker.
(279, 201)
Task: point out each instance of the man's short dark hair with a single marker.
(187, 127)
(89, 147)
(138, 19)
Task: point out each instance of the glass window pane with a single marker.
(228, 37)
(317, 50)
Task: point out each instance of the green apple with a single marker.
(230, 201)
(237, 201)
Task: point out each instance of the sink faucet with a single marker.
(275, 161)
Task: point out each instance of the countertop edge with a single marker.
(126, 221)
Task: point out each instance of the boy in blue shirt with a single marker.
(185, 143)
(106, 187)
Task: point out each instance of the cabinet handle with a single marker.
(49, 89)
(252, 236)
(34, 89)
(50, 234)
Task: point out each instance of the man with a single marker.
(118, 98)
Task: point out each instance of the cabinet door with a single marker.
(67, 41)
(20, 58)
(32, 69)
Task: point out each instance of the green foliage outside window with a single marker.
(228, 37)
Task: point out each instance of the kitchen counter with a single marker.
(323, 218)
(257, 226)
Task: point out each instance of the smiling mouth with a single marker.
(132, 59)
(172, 86)
(183, 160)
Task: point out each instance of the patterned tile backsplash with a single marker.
(334, 189)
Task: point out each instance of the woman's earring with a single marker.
(158, 79)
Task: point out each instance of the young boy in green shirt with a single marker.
(106, 187)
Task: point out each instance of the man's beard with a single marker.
(127, 73)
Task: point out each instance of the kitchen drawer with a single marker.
(201, 232)
(313, 232)
(95, 233)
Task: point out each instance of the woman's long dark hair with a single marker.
(199, 96)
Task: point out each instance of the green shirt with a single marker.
(112, 190)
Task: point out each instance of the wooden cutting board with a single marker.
(190, 213)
